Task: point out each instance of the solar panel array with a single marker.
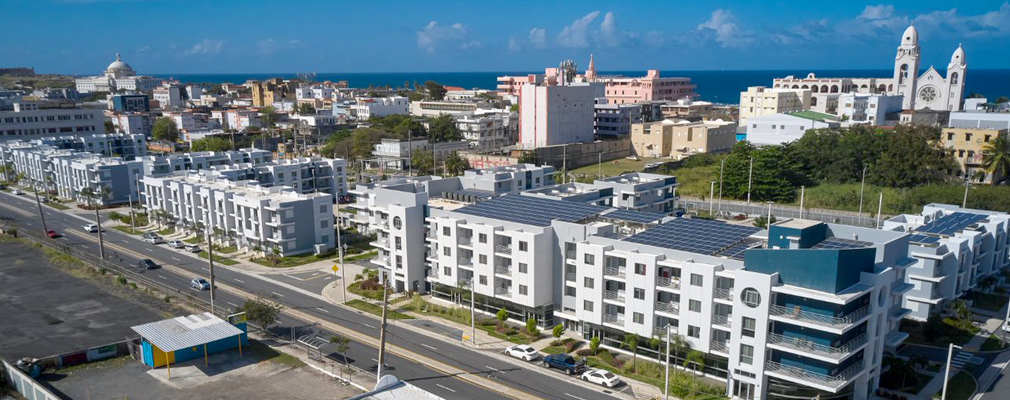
(950, 224)
(640, 217)
(737, 251)
(531, 210)
(840, 243)
(694, 235)
(923, 239)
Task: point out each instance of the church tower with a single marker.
(906, 67)
(591, 72)
(955, 79)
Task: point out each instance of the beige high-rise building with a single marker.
(760, 100)
(966, 145)
(679, 139)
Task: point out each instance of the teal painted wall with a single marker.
(777, 235)
(826, 270)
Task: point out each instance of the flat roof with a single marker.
(813, 115)
(183, 332)
(694, 235)
(640, 217)
(531, 210)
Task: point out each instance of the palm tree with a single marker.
(695, 358)
(631, 341)
(679, 344)
(996, 158)
(455, 164)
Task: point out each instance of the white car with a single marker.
(154, 239)
(44, 199)
(199, 284)
(92, 228)
(523, 352)
(193, 248)
(176, 244)
(601, 377)
(17, 191)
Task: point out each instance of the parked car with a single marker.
(92, 228)
(176, 244)
(153, 239)
(523, 352)
(52, 234)
(44, 199)
(18, 192)
(564, 362)
(147, 264)
(601, 377)
(199, 284)
(193, 248)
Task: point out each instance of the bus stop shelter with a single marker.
(185, 338)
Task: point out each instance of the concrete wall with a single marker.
(582, 154)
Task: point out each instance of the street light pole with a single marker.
(473, 316)
(862, 184)
(711, 199)
(946, 371)
(750, 178)
(666, 390)
(340, 259)
(39, 204)
(210, 262)
(803, 190)
(133, 222)
(769, 224)
(880, 208)
(101, 240)
(382, 328)
(964, 203)
(721, 166)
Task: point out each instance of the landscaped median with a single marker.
(683, 384)
(129, 230)
(960, 387)
(377, 310)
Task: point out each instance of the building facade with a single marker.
(760, 100)
(868, 109)
(679, 139)
(784, 128)
(615, 120)
(118, 77)
(28, 120)
(558, 114)
(966, 145)
(368, 107)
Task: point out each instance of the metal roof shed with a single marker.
(184, 338)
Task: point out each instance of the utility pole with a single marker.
(101, 240)
(564, 161)
(750, 178)
(1005, 321)
(711, 199)
(39, 204)
(769, 224)
(382, 328)
(133, 222)
(210, 262)
(803, 190)
(946, 370)
(473, 316)
(964, 203)
(862, 184)
(599, 165)
(880, 208)
(666, 390)
(721, 166)
(340, 259)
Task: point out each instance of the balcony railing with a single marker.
(430, 235)
(465, 261)
(503, 270)
(806, 346)
(820, 319)
(834, 381)
(465, 240)
(503, 249)
(616, 319)
(570, 255)
(721, 346)
(503, 291)
(570, 276)
(433, 273)
(614, 272)
(668, 307)
(722, 320)
(613, 295)
(663, 281)
(725, 294)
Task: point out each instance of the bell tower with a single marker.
(955, 79)
(906, 67)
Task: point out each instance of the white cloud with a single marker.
(877, 12)
(992, 23)
(207, 46)
(722, 25)
(143, 49)
(538, 37)
(433, 35)
(270, 46)
(514, 45)
(577, 34)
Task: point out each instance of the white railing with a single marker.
(668, 307)
(615, 319)
(720, 346)
(433, 273)
(465, 261)
(570, 255)
(725, 294)
(503, 291)
(806, 346)
(614, 272)
(613, 295)
(834, 381)
(465, 241)
(504, 249)
(503, 270)
(663, 281)
(825, 320)
(570, 276)
(722, 320)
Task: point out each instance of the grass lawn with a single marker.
(218, 259)
(948, 333)
(292, 261)
(616, 167)
(683, 384)
(553, 350)
(194, 240)
(961, 386)
(226, 250)
(362, 256)
(166, 231)
(128, 230)
(377, 310)
(986, 301)
(57, 205)
(992, 343)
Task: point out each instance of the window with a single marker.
(750, 297)
(523, 268)
(482, 258)
(399, 261)
(697, 280)
(447, 251)
(523, 246)
(397, 223)
(694, 305)
(638, 318)
(446, 231)
(590, 259)
(950, 135)
(746, 354)
(322, 224)
(398, 245)
(447, 270)
(522, 290)
(483, 279)
(322, 209)
(587, 305)
(570, 291)
(693, 331)
(967, 137)
(589, 283)
(639, 294)
(749, 325)
(482, 237)
(639, 269)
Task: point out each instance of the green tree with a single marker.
(268, 116)
(421, 162)
(558, 330)
(210, 143)
(514, 108)
(695, 358)
(262, 311)
(527, 157)
(502, 315)
(435, 90)
(531, 327)
(976, 95)
(594, 344)
(110, 127)
(996, 158)
(443, 129)
(342, 344)
(306, 109)
(776, 173)
(164, 129)
(631, 342)
(1002, 99)
(456, 164)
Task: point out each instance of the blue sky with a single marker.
(82, 36)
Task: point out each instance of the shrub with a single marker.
(605, 356)
(121, 280)
(571, 345)
(168, 299)
(531, 327)
(594, 344)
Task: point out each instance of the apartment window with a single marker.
(522, 290)
(987, 137)
(588, 283)
(639, 269)
(482, 238)
(445, 231)
(638, 318)
(397, 243)
(590, 259)
(639, 294)
(447, 251)
(482, 258)
(523, 246)
(399, 261)
(697, 280)
(522, 268)
(693, 331)
(322, 224)
(694, 305)
(749, 325)
(483, 279)
(587, 305)
(967, 137)
(570, 291)
(746, 354)
(950, 135)
(447, 270)
(322, 209)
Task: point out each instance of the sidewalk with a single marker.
(992, 325)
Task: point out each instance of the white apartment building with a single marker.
(432, 108)
(784, 128)
(170, 95)
(760, 100)
(557, 114)
(65, 172)
(128, 146)
(304, 175)
(868, 108)
(158, 166)
(255, 218)
(953, 248)
(193, 122)
(614, 120)
(239, 120)
(508, 179)
(395, 154)
(132, 123)
(640, 191)
(28, 121)
(367, 107)
(489, 131)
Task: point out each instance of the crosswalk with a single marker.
(960, 359)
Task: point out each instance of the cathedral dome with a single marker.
(911, 36)
(119, 65)
(958, 57)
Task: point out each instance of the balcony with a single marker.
(380, 243)
(665, 282)
(569, 277)
(503, 270)
(827, 321)
(720, 346)
(503, 248)
(614, 272)
(832, 382)
(802, 346)
(724, 294)
(613, 295)
(465, 261)
(668, 307)
(570, 255)
(503, 291)
(722, 320)
(430, 235)
(466, 241)
(615, 319)
(432, 273)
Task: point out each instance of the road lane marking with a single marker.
(175, 258)
(428, 346)
(293, 277)
(323, 310)
(232, 304)
(492, 368)
(369, 326)
(573, 396)
(162, 277)
(149, 250)
(277, 294)
(443, 387)
(327, 276)
(239, 280)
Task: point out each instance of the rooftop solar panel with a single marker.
(737, 251)
(923, 239)
(531, 210)
(840, 243)
(694, 235)
(633, 216)
(950, 224)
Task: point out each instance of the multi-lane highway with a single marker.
(411, 349)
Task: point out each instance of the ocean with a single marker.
(714, 86)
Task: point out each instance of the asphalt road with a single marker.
(535, 383)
